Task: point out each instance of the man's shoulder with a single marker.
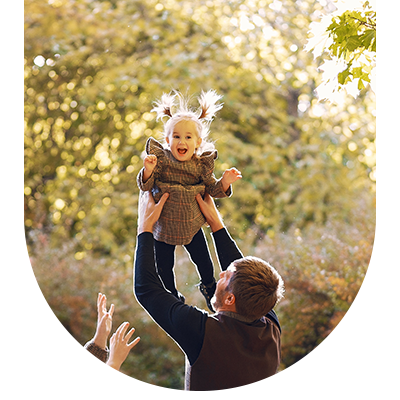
(223, 317)
(272, 317)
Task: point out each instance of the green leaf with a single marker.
(365, 77)
(357, 72)
(354, 15)
(353, 43)
(368, 36)
(344, 76)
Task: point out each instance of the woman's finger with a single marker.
(122, 329)
(129, 334)
(111, 312)
(134, 343)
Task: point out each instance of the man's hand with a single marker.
(104, 321)
(229, 176)
(148, 211)
(210, 212)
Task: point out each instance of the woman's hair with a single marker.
(202, 117)
(256, 285)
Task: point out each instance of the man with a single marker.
(238, 345)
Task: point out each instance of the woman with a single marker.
(96, 371)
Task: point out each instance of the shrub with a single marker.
(70, 287)
(323, 268)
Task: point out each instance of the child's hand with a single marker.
(229, 176)
(150, 162)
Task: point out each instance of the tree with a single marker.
(91, 82)
(348, 37)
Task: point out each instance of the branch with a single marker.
(370, 24)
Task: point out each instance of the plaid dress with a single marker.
(181, 217)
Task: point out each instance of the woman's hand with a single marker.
(104, 321)
(119, 347)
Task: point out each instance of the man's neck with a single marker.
(237, 316)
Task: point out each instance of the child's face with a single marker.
(183, 140)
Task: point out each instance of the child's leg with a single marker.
(165, 259)
(200, 255)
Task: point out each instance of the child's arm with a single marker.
(229, 176)
(222, 187)
(149, 164)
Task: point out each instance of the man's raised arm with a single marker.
(185, 324)
(226, 247)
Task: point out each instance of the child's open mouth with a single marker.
(182, 151)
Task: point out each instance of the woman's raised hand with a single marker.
(119, 346)
(104, 321)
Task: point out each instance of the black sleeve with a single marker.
(226, 248)
(228, 252)
(272, 315)
(185, 324)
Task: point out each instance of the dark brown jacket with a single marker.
(234, 353)
(223, 350)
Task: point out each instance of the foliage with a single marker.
(351, 45)
(60, 298)
(87, 115)
(323, 269)
(92, 72)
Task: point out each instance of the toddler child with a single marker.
(184, 168)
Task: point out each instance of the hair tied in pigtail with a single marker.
(164, 107)
(208, 104)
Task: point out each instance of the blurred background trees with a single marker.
(306, 200)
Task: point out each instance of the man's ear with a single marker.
(230, 299)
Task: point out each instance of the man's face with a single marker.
(221, 291)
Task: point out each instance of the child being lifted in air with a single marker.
(184, 168)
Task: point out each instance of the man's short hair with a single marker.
(256, 285)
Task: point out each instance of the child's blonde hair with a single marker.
(202, 117)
